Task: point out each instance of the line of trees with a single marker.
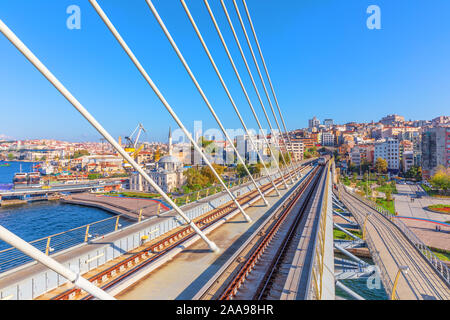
(197, 179)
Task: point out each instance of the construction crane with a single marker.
(132, 143)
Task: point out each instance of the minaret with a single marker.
(170, 142)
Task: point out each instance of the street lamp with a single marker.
(400, 269)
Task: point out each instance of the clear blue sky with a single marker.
(323, 60)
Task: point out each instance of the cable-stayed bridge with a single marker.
(270, 237)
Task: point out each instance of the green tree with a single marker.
(93, 176)
(194, 178)
(80, 153)
(10, 156)
(365, 165)
(441, 179)
(307, 155)
(380, 181)
(354, 177)
(209, 175)
(414, 172)
(381, 165)
(255, 168)
(346, 180)
(388, 194)
(286, 158)
(240, 171)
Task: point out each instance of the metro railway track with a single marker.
(118, 272)
(230, 280)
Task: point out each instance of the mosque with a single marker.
(167, 173)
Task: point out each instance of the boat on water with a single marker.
(6, 164)
(27, 180)
(46, 170)
(20, 180)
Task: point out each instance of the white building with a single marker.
(314, 122)
(388, 149)
(296, 149)
(248, 152)
(167, 173)
(328, 123)
(327, 139)
(355, 156)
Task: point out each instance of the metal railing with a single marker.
(317, 266)
(437, 264)
(385, 279)
(12, 257)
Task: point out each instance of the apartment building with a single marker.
(435, 149)
(407, 160)
(388, 149)
(296, 149)
(327, 139)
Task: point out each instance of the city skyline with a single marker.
(323, 59)
(232, 131)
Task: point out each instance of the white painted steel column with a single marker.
(60, 87)
(141, 69)
(197, 85)
(205, 47)
(51, 263)
(243, 89)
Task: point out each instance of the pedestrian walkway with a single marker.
(421, 281)
(417, 208)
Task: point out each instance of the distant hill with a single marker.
(4, 137)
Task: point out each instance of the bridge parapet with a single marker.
(322, 267)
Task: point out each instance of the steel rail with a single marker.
(261, 291)
(245, 269)
(163, 246)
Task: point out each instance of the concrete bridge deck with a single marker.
(129, 207)
(421, 282)
(75, 187)
(33, 279)
(194, 266)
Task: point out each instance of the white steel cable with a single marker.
(244, 90)
(267, 72)
(60, 87)
(197, 85)
(262, 81)
(205, 47)
(141, 69)
(254, 83)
